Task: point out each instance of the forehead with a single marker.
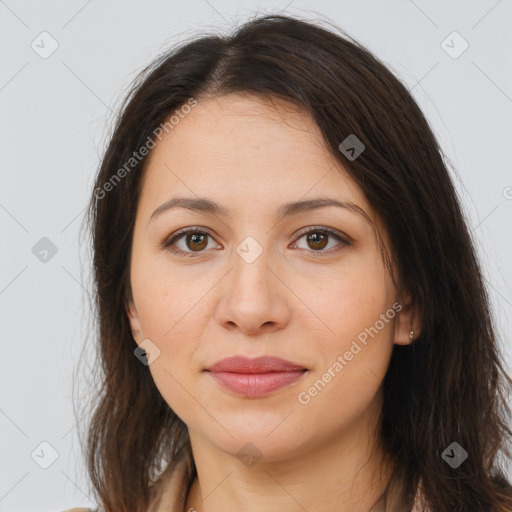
(248, 151)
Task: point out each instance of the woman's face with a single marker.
(254, 282)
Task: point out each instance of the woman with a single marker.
(291, 313)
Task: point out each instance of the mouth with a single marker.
(255, 377)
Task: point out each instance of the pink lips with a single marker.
(255, 377)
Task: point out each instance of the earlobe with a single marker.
(133, 318)
(405, 335)
(407, 328)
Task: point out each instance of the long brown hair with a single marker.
(448, 386)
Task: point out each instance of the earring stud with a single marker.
(411, 335)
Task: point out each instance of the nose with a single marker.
(253, 297)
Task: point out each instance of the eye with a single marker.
(194, 240)
(317, 239)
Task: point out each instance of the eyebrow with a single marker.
(207, 206)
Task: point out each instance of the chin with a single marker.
(253, 444)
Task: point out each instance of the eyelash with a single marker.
(168, 243)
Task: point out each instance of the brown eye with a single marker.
(196, 241)
(188, 241)
(317, 240)
(191, 241)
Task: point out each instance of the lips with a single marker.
(264, 364)
(255, 377)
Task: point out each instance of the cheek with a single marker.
(170, 312)
(168, 301)
(353, 356)
(172, 308)
(352, 302)
(351, 365)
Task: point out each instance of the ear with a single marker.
(134, 320)
(407, 321)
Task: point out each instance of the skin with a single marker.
(303, 302)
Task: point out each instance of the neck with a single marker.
(346, 472)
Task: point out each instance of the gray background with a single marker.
(55, 114)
